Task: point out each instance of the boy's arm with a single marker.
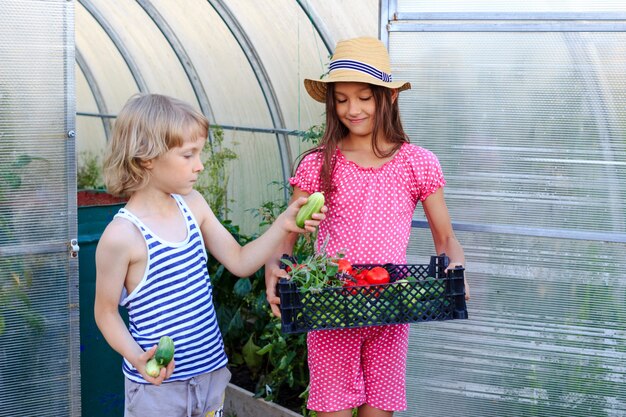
(245, 260)
(114, 253)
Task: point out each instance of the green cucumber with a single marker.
(165, 351)
(312, 206)
(153, 368)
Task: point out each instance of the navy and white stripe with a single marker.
(175, 298)
(361, 67)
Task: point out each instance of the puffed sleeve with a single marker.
(307, 176)
(427, 173)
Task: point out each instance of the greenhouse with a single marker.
(522, 102)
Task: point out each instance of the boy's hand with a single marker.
(309, 225)
(163, 375)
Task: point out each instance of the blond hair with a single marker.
(147, 127)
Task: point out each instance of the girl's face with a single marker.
(176, 171)
(355, 107)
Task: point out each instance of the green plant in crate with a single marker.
(15, 276)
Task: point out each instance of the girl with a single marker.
(372, 178)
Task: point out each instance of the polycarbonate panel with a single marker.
(345, 19)
(290, 49)
(38, 367)
(252, 176)
(148, 46)
(523, 6)
(102, 57)
(89, 130)
(529, 130)
(545, 335)
(528, 125)
(39, 340)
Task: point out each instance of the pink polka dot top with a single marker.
(370, 210)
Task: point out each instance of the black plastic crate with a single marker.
(432, 295)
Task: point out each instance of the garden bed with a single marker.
(242, 403)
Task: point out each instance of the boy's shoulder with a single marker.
(120, 232)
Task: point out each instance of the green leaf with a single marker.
(243, 287)
(235, 326)
(265, 349)
(250, 356)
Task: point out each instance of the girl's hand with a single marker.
(453, 265)
(141, 367)
(291, 212)
(272, 275)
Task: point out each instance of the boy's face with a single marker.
(176, 171)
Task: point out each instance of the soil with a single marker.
(96, 198)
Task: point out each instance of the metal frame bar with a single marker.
(264, 81)
(608, 237)
(318, 24)
(507, 26)
(181, 54)
(117, 42)
(225, 127)
(513, 16)
(72, 226)
(95, 90)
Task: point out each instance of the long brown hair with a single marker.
(387, 128)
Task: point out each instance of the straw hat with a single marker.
(362, 60)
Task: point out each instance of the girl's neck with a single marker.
(363, 144)
(362, 154)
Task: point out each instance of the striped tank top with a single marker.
(175, 298)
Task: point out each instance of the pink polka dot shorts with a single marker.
(352, 367)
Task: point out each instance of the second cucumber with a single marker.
(312, 206)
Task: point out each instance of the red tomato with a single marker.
(359, 273)
(377, 275)
(344, 266)
(351, 283)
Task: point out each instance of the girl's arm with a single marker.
(114, 253)
(441, 228)
(245, 260)
(272, 267)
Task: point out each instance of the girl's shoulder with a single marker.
(312, 155)
(416, 151)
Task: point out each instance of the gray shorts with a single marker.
(200, 396)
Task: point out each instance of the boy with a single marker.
(151, 259)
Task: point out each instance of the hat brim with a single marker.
(317, 88)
